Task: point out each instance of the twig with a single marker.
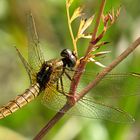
(76, 79)
(106, 70)
(52, 122)
(83, 62)
(71, 32)
(99, 77)
(96, 25)
(78, 75)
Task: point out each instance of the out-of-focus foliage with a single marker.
(51, 22)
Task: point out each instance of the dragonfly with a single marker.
(47, 79)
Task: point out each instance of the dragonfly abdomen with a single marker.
(19, 101)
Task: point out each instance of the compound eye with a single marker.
(72, 62)
(69, 58)
(66, 53)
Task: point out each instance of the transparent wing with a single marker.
(95, 110)
(85, 107)
(114, 84)
(53, 99)
(35, 56)
(28, 68)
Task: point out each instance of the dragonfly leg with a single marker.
(69, 69)
(70, 98)
(57, 85)
(62, 86)
(68, 76)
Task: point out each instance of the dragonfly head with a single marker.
(69, 59)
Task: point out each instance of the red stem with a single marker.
(52, 122)
(59, 115)
(106, 70)
(83, 62)
(101, 9)
(78, 74)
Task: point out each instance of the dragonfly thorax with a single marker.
(43, 76)
(51, 70)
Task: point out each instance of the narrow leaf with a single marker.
(69, 2)
(118, 12)
(85, 24)
(99, 45)
(82, 22)
(87, 36)
(97, 63)
(101, 53)
(77, 13)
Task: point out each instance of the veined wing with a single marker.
(35, 56)
(96, 110)
(115, 84)
(112, 85)
(53, 96)
(85, 107)
(30, 71)
(53, 99)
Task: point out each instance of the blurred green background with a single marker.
(51, 22)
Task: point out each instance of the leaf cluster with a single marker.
(107, 20)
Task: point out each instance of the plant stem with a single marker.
(99, 77)
(106, 70)
(73, 87)
(81, 66)
(101, 9)
(71, 32)
(52, 122)
(80, 69)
